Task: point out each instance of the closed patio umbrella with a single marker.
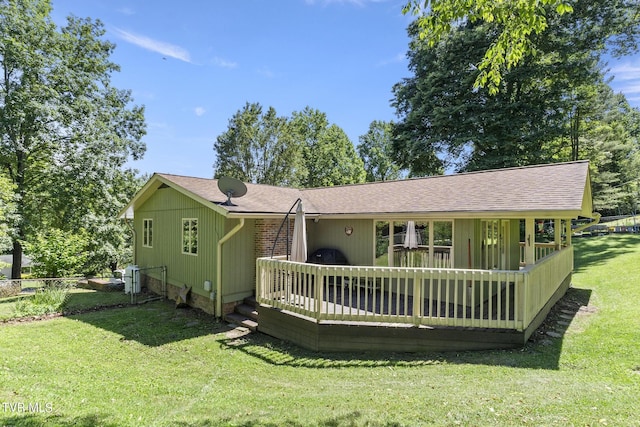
(410, 238)
(299, 239)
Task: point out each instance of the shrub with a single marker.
(57, 253)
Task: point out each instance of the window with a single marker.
(147, 233)
(442, 244)
(414, 243)
(190, 236)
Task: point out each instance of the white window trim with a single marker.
(431, 237)
(182, 241)
(145, 232)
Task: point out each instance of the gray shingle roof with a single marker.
(559, 187)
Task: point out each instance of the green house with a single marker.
(486, 250)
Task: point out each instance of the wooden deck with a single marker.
(331, 308)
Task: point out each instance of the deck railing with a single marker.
(541, 251)
(418, 296)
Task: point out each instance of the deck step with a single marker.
(240, 320)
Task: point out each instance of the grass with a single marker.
(153, 365)
(632, 220)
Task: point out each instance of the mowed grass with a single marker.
(153, 365)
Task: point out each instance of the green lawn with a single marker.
(153, 365)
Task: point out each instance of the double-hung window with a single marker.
(147, 233)
(190, 236)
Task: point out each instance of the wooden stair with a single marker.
(245, 314)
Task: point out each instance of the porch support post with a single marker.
(390, 248)
(529, 241)
(568, 231)
(557, 233)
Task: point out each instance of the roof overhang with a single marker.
(154, 183)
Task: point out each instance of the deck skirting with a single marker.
(350, 336)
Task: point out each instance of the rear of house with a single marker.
(188, 236)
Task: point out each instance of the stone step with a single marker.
(240, 320)
(251, 301)
(247, 311)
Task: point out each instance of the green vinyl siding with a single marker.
(238, 262)
(358, 247)
(167, 208)
(466, 244)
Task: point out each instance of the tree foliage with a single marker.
(66, 131)
(329, 155)
(259, 147)
(517, 21)
(7, 207)
(609, 136)
(304, 150)
(58, 253)
(376, 151)
(443, 121)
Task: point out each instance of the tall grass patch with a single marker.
(45, 301)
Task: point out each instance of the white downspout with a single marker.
(224, 238)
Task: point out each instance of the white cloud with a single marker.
(127, 11)
(626, 79)
(221, 62)
(399, 58)
(199, 111)
(163, 48)
(626, 72)
(266, 72)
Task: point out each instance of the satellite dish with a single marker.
(232, 188)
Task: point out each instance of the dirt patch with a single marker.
(573, 305)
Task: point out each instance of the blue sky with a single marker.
(194, 64)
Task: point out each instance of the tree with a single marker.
(303, 150)
(444, 122)
(611, 141)
(329, 156)
(58, 253)
(66, 132)
(376, 151)
(6, 209)
(517, 22)
(259, 147)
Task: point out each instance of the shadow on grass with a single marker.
(351, 419)
(153, 324)
(38, 420)
(596, 250)
(542, 351)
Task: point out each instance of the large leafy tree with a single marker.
(259, 147)
(609, 136)
(65, 131)
(304, 150)
(442, 118)
(6, 209)
(517, 23)
(330, 157)
(376, 151)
